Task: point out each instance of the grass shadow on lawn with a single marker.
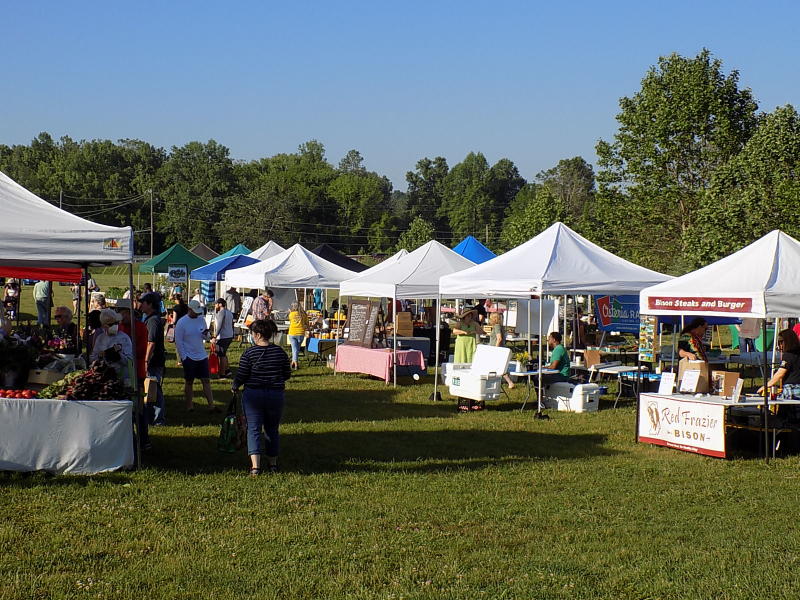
(385, 451)
(27, 480)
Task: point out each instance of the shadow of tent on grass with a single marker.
(386, 451)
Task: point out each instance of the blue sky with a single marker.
(531, 81)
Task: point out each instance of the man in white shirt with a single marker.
(190, 334)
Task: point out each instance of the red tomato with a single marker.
(27, 394)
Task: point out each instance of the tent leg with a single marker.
(394, 335)
(766, 390)
(539, 413)
(437, 324)
(137, 409)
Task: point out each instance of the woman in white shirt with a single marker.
(112, 338)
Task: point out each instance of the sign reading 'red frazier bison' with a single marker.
(731, 305)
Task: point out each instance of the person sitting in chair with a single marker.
(559, 360)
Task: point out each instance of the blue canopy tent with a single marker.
(215, 271)
(235, 251)
(209, 275)
(471, 249)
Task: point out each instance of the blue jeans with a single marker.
(43, 312)
(158, 411)
(263, 408)
(295, 341)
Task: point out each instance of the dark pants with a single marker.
(553, 378)
(263, 408)
(157, 411)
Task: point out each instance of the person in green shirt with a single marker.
(559, 359)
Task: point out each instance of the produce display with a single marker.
(98, 382)
(18, 393)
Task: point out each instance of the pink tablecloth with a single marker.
(375, 361)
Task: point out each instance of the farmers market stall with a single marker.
(37, 239)
(759, 281)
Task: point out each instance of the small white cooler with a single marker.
(569, 397)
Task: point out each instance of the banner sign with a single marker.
(682, 424)
(177, 273)
(617, 313)
(704, 304)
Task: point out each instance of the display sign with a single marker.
(701, 304)
(177, 273)
(683, 424)
(690, 380)
(647, 338)
(667, 384)
(362, 318)
(617, 313)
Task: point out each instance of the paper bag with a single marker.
(696, 365)
(724, 382)
(150, 390)
(592, 357)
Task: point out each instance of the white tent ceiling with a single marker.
(33, 232)
(266, 251)
(292, 268)
(415, 275)
(558, 261)
(760, 280)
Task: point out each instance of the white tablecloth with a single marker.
(63, 436)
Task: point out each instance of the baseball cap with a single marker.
(195, 306)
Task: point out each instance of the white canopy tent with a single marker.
(292, 268)
(266, 251)
(761, 280)
(415, 275)
(34, 233)
(558, 261)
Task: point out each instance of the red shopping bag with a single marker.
(213, 361)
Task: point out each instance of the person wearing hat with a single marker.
(66, 329)
(110, 337)
(466, 332)
(691, 344)
(123, 307)
(11, 298)
(190, 334)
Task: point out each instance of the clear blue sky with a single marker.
(531, 81)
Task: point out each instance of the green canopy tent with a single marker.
(235, 251)
(177, 255)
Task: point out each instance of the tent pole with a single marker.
(766, 389)
(336, 331)
(137, 409)
(539, 414)
(437, 324)
(86, 306)
(394, 335)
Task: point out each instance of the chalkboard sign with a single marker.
(361, 319)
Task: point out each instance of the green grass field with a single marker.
(384, 494)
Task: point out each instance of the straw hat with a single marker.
(467, 311)
(123, 303)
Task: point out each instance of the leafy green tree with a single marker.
(418, 233)
(572, 183)
(382, 234)
(687, 120)
(535, 208)
(425, 193)
(756, 191)
(360, 197)
(194, 183)
(352, 162)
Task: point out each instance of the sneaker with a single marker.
(273, 469)
(254, 472)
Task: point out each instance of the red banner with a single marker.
(45, 274)
(700, 304)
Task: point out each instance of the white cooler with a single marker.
(570, 397)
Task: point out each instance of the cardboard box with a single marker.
(404, 325)
(724, 382)
(695, 365)
(44, 377)
(591, 357)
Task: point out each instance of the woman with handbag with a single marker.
(263, 372)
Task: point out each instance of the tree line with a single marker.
(694, 172)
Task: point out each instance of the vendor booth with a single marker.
(556, 262)
(40, 240)
(237, 250)
(473, 250)
(332, 255)
(412, 276)
(266, 251)
(760, 281)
